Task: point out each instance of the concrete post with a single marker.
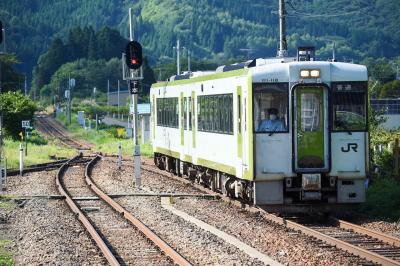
(119, 155)
(21, 162)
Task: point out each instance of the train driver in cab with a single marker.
(273, 123)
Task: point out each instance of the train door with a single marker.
(241, 129)
(311, 129)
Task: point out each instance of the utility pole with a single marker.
(71, 85)
(334, 52)
(69, 100)
(282, 30)
(108, 92)
(188, 54)
(26, 87)
(2, 38)
(178, 59)
(118, 98)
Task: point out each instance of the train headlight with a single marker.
(314, 73)
(310, 73)
(305, 73)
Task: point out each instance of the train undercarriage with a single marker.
(215, 180)
(296, 197)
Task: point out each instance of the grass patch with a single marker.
(6, 257)
(104, 139)
(36, 153)
(7, 205)
(383, 199)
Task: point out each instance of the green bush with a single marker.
(15, 108)
(383, 199)
(36, 138)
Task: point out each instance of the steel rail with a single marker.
(161, 244)
(55, 132)
(82, 218)
(391, 240)
(363, 253)
(37, 167)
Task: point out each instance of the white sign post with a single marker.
(25, 124)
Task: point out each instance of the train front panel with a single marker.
(310, 133)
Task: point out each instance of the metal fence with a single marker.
(386, 106)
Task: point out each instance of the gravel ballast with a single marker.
(283, 245)
(45, 232)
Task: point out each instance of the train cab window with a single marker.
(349, 106)
(270, 107)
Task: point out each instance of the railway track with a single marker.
(51, 128)
(38, 167)
(370, 246)
(109, 224)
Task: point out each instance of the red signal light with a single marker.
(133, 55)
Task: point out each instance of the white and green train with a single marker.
(271, 132)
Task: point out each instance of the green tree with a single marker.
(390, 90)
(10, 78)
(380, 69)
(15, 108)
(49, 62)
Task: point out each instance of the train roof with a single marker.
(284, 69)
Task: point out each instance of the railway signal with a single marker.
(132, 61)
(133, 56)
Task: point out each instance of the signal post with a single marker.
(133, 60)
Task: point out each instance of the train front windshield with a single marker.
(349, 102)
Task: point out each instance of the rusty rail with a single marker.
(161, 244)
(391, 240)
(82, 218)
(363, 253)
(55, 132)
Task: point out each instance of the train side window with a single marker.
(215, 113)
(190, 112)
(184, 111)
(226, 114)
(239, 106)
(167, 112)
(220, 113)
(270, 107)
(230, 110)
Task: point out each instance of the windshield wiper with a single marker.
(340, 123)
(272, 132)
